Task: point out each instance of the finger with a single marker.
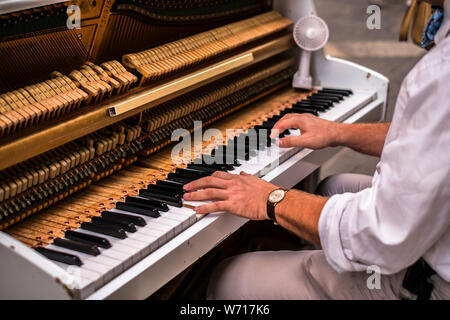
(206, 182)
(282, 125)
(289, 142)
(223, 175)
(206, 194)
(212, 207)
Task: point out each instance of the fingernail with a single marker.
(186, 187)
(279, 143)
(187, 196)
(196, 209)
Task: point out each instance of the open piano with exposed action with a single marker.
(90, 193)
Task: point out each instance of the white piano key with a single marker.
(148, 242)
(187, 212)
(161, 236)
(167, 225)
(349, 105)
(107, 267)
(125, 246)
(195, 203)
(181, 222)
(114, 264)
(86, 280)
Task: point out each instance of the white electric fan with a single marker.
(310, 34)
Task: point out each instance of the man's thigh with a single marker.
(342, 183)
(293, 275)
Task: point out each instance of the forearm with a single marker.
(366, 138)
(299, 212)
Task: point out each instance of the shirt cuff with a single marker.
(330, 233)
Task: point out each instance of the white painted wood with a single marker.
(25, 274)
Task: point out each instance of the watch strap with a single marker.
(271, 211)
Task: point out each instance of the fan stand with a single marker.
(302, 78)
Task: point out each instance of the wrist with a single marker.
(275, 197)
(339, 134)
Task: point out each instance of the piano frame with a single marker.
(25, 274)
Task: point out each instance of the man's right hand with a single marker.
(316, 133)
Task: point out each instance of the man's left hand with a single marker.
(240, 194)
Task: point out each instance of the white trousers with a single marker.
(275, 275)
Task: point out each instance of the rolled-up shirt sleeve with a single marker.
(407, 209)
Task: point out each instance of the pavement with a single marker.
(377, 49)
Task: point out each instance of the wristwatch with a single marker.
(275, 197)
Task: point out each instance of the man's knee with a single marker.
(342, 183)
(224, 277)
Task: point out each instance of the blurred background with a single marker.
(379, 50)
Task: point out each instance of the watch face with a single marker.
(276, 195)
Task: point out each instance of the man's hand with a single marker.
(316, 133)
(243, 195)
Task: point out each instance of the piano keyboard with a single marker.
(39, 182)
(120, 220)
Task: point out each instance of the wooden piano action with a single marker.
(90, 197)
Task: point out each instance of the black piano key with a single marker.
(340, 97)
(276, 118)
(268, 124)
(262, 129)
(325, 97)
(134, 208)
(60, 256)
(340, 91)
(194, 172)
(165, 190)
(88, 238)
(302, 110)
(218, 161)
(323, 102)
(108, 230)
(200, 167)
(138, 221)
(82, 247)
(208, 160)
(161, 195)
(313, 102)
(203, 166)
(172, 176)
(318, 109)
(172, 184)
(149, 203)
(284, 133)
(308, 106)
(176, 202)
(317, 99)
(124, 224)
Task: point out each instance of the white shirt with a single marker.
(405, 215)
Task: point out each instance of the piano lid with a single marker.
(8, 6)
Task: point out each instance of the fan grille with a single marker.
(311, 33)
